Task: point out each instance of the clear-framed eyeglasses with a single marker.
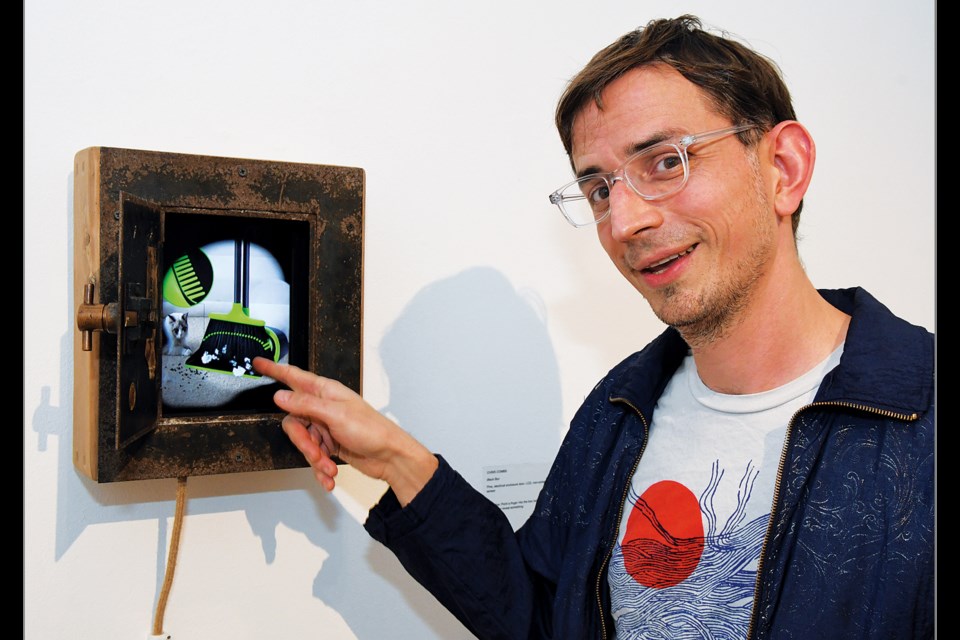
(653, 173)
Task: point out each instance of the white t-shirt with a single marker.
(696, 513)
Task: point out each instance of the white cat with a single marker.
(175, 329)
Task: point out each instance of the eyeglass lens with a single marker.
(653, 173)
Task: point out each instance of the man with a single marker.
(763, 469)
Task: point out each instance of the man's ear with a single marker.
(793, 153)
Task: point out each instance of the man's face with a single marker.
(697, 256)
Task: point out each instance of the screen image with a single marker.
(224, 302)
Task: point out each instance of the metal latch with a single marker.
(138, 318)
(96, 317)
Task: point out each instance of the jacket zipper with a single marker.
(779, 477)
(623, 499)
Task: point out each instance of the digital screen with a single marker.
(233, 288)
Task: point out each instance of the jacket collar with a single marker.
(887, 363)
(641, 378)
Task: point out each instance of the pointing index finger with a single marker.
(288, 374)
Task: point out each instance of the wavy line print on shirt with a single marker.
(664, 542)
(715, 600)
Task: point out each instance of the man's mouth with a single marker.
(662, 265)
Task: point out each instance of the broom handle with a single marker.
(241, 273)
(237, 272)
(246, 275)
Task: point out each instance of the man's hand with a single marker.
(328, 420)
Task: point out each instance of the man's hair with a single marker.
(742, 84)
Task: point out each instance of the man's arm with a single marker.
(327, 419)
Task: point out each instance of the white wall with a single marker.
(487, 318)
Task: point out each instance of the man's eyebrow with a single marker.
(654, 138)
(588, 171)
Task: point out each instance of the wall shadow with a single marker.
(472, 374)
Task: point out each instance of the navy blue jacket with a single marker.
(849, 551)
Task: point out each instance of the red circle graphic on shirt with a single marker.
(664, 538)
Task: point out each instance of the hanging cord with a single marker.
(171, 556)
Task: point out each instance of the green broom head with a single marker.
(231, 342)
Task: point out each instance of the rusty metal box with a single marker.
(169, 247)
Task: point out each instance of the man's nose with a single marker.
(630, 214)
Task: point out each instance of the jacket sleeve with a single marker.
(461, 547)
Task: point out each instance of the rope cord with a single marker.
(171, 556)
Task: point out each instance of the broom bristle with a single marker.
(230, 347)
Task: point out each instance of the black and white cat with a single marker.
(175, 330)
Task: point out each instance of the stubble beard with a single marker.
(708, 314)
(705, 317)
